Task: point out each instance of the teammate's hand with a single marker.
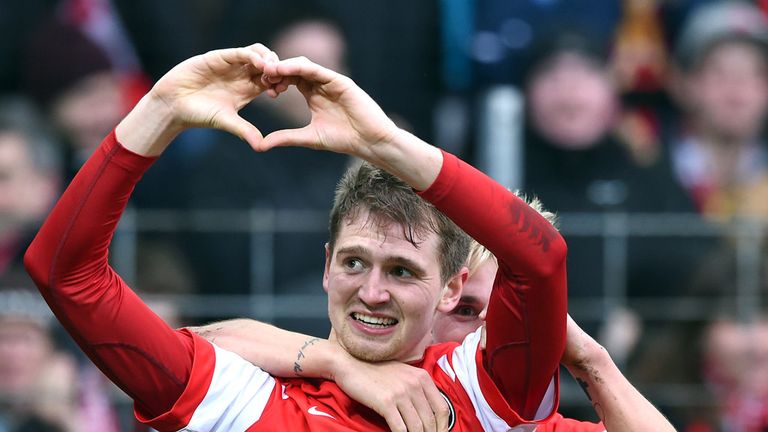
(208, 90)
(344, 118)
(404, 395)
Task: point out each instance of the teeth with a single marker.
(374, 321)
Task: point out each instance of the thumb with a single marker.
(301, 137)
(236, 125)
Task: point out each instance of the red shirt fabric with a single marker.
(180, 381)
(560, 424)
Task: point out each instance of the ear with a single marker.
(327, 266)
(452, 291)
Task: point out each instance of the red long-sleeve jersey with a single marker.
(180, 381)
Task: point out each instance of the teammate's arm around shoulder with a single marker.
(618, 403)
(404, 395)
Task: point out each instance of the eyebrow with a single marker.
(352, 250)
(470, 299)
(396, 260)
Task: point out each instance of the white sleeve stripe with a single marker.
(236, 398)
(547, 402)
(446, 366)
(465, 367)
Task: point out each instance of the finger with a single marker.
(265, 53)
(394, 420)
(286, 82)
(240, 56)
(280, 84)
(302, 137)
(260, 85)
(304, 68)
(425, 412)
(274, 79)
(236, 125)
(438, 406)
(410, 416)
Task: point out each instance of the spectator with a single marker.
(42, 387)
(72, 80)
(717, 150)
(735, 365)
(35, 380)
(574, 160)
(576, 163)
(29, 177)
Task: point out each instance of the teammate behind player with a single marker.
(617, 402)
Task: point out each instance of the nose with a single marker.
(374, 291)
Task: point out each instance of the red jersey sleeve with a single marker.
(526, 318)
(68, 262)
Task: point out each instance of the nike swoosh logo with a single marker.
(314, 411)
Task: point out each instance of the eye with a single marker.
(466, 311)
(401, 272)
(354, 264)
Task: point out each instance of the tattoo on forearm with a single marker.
(301, 356)
(209, 334)
(595, 377)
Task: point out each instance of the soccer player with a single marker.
(618, 404)
(393, 261)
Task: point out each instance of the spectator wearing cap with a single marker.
(72, 80)
(717, 148)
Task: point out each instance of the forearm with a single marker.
(618, 403)
(409, 158)
(149, 128)
(279, 352)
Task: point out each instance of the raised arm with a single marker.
(526, 319)
(68, 259)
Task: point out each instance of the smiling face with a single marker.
(384, 291)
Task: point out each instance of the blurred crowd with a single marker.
(640, 122)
